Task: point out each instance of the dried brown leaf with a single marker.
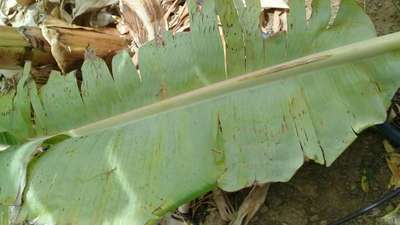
(273, 18)
(182, 21)
(68, 44)
(28, 44)
(224, 206)
(171, 7)
(21, 16)
(254, 200)
(144, 19)
(393, 162)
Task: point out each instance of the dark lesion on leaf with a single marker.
(163, 90)
(34, 38)
(323, 152)
(7, 84)
(219, 123)
(199, 5)
(378, 86)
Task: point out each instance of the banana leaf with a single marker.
(127, 148)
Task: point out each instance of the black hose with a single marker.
(393, 135)
(388, 196)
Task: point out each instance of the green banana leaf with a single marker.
(127, 149)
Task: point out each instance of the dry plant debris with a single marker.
(219, 209)
(68, 43)
(124, 23)
(119, 23)
(223, 205)
(251, 204)
(143, 19)
(7, 81)
(176, 15)
(273, 18)
(393, 162)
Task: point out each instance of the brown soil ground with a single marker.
(319, 195)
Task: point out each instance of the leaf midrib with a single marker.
(294, 68)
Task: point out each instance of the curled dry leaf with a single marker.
(170, 7)
(273, 18)
(254, 200)
(224, 207)
(29, 17)
(8, 7)
(58, 50)
(182, 19)
(16, 15)
(28, 45)
(177, 17)
(68, 44)
(143, 18)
